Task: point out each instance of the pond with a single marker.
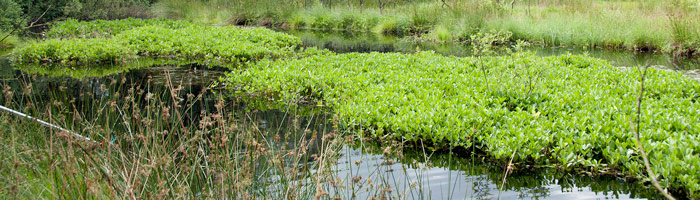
(361, 169)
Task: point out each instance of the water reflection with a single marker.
(457, 177)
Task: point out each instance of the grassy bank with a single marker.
(76, 43)
(663, 26)
(570, 112)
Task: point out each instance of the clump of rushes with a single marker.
(161, 140)
(219, 44)
(573, 110)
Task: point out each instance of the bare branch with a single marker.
(652, 176)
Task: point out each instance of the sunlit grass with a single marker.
(641, 25)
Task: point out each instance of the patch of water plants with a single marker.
(570, 112)
(156, 38)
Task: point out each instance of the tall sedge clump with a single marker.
(158, 139)
(684, 32)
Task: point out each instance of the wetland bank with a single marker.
(185, 110)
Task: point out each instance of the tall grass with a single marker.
(640, 25)
(161, 140)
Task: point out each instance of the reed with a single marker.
(155, 140)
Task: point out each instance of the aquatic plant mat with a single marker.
(80, 43)
(569, 112)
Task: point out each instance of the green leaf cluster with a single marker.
(569, 111)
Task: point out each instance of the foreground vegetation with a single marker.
(570, 112)
(80, 43)
(152, 140)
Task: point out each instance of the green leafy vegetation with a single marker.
(572, 112)
(162, 39)
(10, 15)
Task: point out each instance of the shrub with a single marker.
(10, 15)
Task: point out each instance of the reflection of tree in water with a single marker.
(538, 192)
(481, 187)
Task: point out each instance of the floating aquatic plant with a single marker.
(569, 111)
(161, 39)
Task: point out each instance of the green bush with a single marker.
(10, 16)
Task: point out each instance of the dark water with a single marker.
(414, 174)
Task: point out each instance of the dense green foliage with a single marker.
(568, 111)
(162, 39)
(10, 15)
